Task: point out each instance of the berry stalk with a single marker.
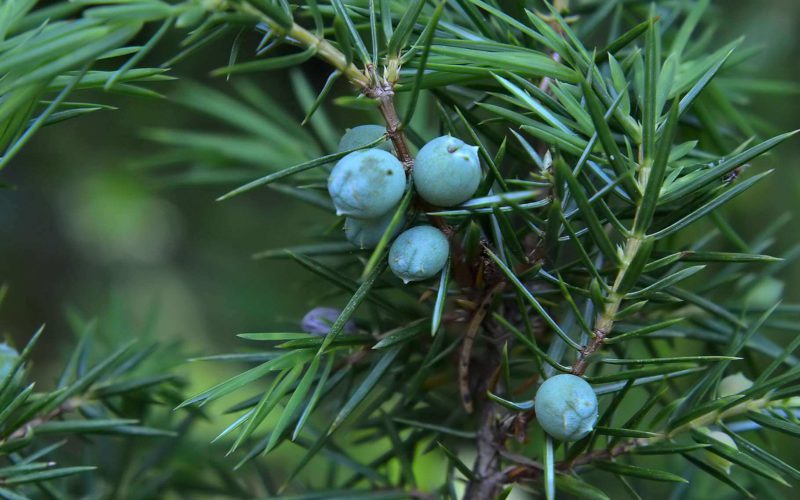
(383, 92)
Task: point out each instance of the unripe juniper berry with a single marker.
(366, 233)
(733, 384)
(318, 321)
(765, 293)
(419, 253)
(361, 136)
(447, 171)
(566, 407)
(366, 184)
(716, 460)
(8, 356)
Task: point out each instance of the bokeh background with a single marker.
(87, 230)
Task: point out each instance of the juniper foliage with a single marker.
(611, 136)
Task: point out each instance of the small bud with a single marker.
(318, 321)
(547, 161)
(392, 71)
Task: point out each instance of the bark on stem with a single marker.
(605, 320)
(383, 92)
(488, 479)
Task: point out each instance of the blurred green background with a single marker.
(84, 229)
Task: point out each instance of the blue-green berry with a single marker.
(566, 407)
(318, 321)
(362, 135)
(366, 233)
(8, 357)
(366, 184)
(419, 253)
(447, 171)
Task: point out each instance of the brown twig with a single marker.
(469, 340)
(490, 441)
(383, 92)
(66, 407)
(488, 478)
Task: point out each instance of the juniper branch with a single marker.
(64, 408)
(604, 322)
(323, 49)
(531, 469)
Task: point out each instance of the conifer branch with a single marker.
(539, 238)
(322, 48)
(604, 323)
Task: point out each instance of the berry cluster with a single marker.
(367, 185)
